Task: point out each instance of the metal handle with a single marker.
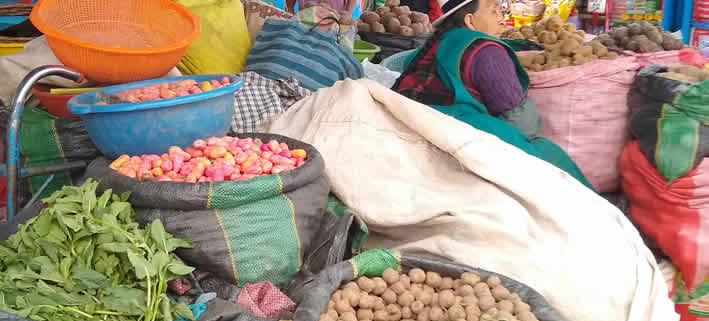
(13, 129)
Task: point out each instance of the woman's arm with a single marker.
(491, 71)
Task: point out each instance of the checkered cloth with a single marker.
(261, 99)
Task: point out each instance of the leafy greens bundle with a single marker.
(84, 258)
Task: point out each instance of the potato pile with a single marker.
(641, 37)
(568, 52)
(547, 31)
(395, 19)
(688, 74)
(426, 296)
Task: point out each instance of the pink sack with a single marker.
(584, 110)
(264, 300)
(687, 56)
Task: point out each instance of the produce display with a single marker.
(168, 90)
(547, 31)
(85, 258)
(688, 74)
(425, 296)
(213, 160)
(565, 46)
(641, 37)
(395, 19)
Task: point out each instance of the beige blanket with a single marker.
(428, 183)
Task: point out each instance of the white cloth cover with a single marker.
(427, 183)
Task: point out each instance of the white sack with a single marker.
(425, 182)
(13, 68)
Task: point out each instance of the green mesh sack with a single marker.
(670, 120)
(263, 229)
(48, 140)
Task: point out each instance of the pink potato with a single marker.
(215, 159)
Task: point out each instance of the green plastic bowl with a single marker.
(363, 49)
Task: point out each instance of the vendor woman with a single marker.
(466, 72)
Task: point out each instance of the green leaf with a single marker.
(6, 253)
(38, 299)
(89, 278)
(56, 235)
(89, 199)
(42, 224)
(50, 249)
(64, 208)
(27, 239)
(165, 308)
(125, 196)
(124, 299)
(182, 310)
(115, 247)
(159, 261)
(65, 267)
(45, 289)
(50, 272)
(118, 207)
(73, 222)
(103, 200)
(141, 266)
(157, 233)
(179, 268)
(175, 243)
(24, 312)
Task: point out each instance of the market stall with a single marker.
(229, 160)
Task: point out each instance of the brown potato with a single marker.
(393, 25)
(583, 51)
(417, 27)
(540, 60)
(406, 31)
(554, 23)
(419, 17)
(363, 26)
(391, 276)
(381, 11)
(378, 27)
(370, 16)
(392, 3)
(470, 278)
(570, 27)
(405, 20)
(398, 288)
(365, 314)
(417, 275)
(548, 37)
(389, 296)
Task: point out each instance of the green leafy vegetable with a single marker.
(85, 258)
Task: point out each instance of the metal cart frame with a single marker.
(12, 170)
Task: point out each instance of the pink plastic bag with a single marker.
(687, 56)
(584, 110)
(264, 300)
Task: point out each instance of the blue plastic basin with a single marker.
(152, 127)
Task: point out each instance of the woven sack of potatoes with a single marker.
(565, 46)
(394, 28)
(385, 285)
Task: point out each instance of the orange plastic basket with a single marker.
(117, 41)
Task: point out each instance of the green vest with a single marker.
(468, 110)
